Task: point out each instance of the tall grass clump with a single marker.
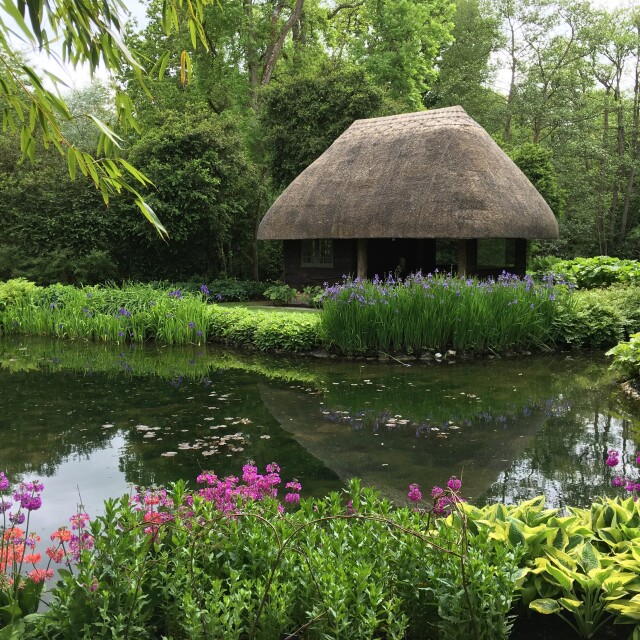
(439, 311)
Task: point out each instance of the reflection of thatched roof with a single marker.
(431, 174)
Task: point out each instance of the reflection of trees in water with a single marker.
(565, 462)
(38, 428)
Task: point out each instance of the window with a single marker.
(317, 253)
(496, 252)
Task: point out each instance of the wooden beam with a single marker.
(362, 258)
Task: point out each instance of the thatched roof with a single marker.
(431, 174)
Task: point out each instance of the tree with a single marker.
(88, 32)
(302, 116)
(466, 68)
(204, 191)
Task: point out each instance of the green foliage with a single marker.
(601, 271)
(598, 318)
(138, 312)
(265, 330)
(340, 567)
(536, 162)
(280, 293)
(582, 567)
(313, 295)
(88, 33)
(626, 357)
(304, 114)
(204, 191)
(438, 312)
(16, 292)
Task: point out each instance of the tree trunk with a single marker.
(628, 196)
(506, 134)
(602, 238)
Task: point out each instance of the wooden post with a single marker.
(362, 258)
(467, 257)
(462, 257)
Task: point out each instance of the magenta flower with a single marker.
(617, 482)
(454, 484)
(17, 518)
(414, 493)
(436, 492)
(613, 458)
(4, 482)
(292, 498)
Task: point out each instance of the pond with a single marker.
(92, 420)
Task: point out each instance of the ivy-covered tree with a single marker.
(303, 115)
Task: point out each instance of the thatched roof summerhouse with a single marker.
(411, 179)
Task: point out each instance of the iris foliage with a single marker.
(439, 311)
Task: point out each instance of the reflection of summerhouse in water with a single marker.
(415, 191)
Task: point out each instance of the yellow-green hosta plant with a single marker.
(586, 583)
(584, 567)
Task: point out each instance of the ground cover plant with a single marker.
(626, 358)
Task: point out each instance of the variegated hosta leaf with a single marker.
(545, 605)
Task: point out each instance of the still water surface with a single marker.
(92, 420)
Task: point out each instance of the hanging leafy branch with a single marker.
(79, 32)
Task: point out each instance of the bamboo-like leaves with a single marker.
(89, 32)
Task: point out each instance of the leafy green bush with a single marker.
(16, 291)
(601, 271)
(313, 295)
(280, 293)
(588, 321)
(626, 357)
(598, 318)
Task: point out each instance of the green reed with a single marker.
(440, 311)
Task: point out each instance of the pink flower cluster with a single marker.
(228, 493)
(443, 499)
(630, 485)
(17, 547)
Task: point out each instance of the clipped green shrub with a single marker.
(267, 330)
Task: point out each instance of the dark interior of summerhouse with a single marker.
(313, 262)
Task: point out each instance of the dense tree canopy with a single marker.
(271, 84)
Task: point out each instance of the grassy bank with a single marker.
(139, 312)
(419, 315)
(233, 560)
